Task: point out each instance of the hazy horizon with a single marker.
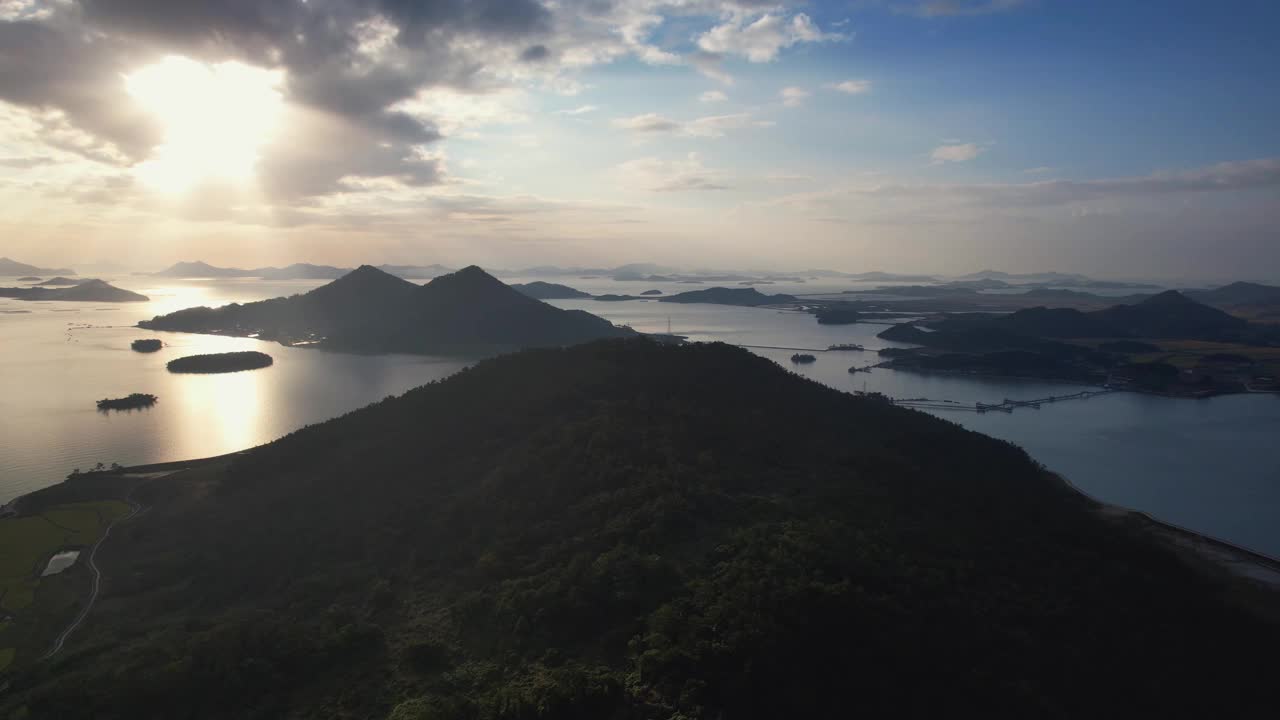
(909, 136)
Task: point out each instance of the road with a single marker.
(97, 581)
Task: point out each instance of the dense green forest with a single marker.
(627, 530)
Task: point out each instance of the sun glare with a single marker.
(216, 118)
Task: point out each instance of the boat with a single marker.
(847, 346)
(802, 358)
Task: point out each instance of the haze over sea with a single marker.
(1210, 465)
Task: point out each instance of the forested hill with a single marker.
(624, 530)
(368, 310)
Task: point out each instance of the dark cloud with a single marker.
(323, 152)
(291, 26)
(68, 67)
(75, 81)
(350, 66)
(535, 53)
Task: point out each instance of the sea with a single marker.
(1210, 465)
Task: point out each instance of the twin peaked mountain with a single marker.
(368, 310)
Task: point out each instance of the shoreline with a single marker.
(1240, 561)
(887, 365)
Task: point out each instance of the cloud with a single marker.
(764, 38)
(962, 152)
(657, 175)
(952, 8)
(452, 111)
(26, 163)
(394, 76)
(1042, 170)
(709, 64)
(713, 96)
(370, 67)
(712, 126)
(647, 123)
(851, 87)
(580, 110)
(793, 96)
(535, 53)
(1260, 174)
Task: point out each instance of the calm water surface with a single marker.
(57, 359)
(60, 561)
(1211, 465)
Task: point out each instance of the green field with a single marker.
(26, 544)
(1187, 354)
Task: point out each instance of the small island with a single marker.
(148, 345)
(836, 316)
(220, 362)
(651, 292)
(134, 401)
(803, 358)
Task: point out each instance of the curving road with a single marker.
(97, 582)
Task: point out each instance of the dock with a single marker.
(1006, 406)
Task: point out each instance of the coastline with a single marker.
(1241, 562)
(1202, 395)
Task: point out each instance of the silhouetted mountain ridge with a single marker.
(549, 291)
(84, 291)
(749, 297)
(368, 310)
(11, 267)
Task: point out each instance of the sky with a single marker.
(1120, 139)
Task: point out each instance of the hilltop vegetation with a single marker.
(627, 530)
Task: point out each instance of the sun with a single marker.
(216, 119)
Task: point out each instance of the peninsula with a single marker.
(86, 291)
(549, 291)
(367, 310)
(1166, 343)
(748, 297)
(619, 530)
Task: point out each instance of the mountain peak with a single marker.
(1169, 297)
(367, 271)
(472, 271)
(469, 277)
(363, 285)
